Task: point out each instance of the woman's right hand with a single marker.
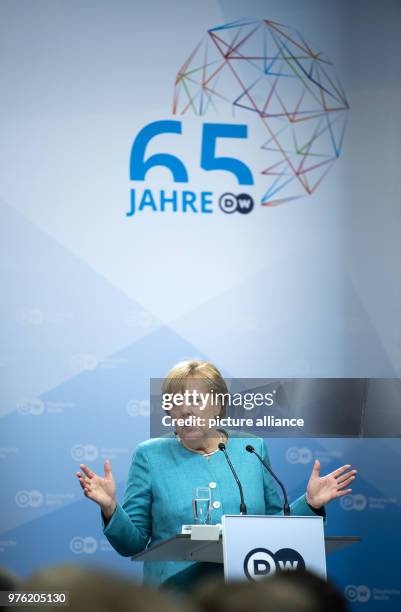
(100, 490)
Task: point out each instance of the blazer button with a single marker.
(216, 504)
(212, 485)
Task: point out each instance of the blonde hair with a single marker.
(176, 379)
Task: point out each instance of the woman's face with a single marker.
(199, 402)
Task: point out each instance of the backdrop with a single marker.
(215, 179)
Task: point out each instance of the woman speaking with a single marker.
(165, 471)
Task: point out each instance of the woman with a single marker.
(164, 471)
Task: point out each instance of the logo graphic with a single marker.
(138, 408)
(266, 69)
(34, 407)
(359, 593)
(83, 361)
(288, 112)
(32, 499)
(229, 203)
(260, 562)
(355, 501)
(298, 455)
(32, 316)
(86, 545)
(87, 452)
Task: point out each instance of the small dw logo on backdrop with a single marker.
(298, 455)
(260, 562)
(356, 501)
(83, 545)
(360, 593)
(258, 119)
(84, 452)
(29, 499)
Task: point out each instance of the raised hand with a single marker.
(322, 489)
(100, 490)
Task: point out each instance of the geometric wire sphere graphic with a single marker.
(269, 69)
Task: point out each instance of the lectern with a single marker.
(253, 546)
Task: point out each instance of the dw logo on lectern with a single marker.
(260, 562)
(276, 116)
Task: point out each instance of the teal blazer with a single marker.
(158, 496)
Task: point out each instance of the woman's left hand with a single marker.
(322, 489)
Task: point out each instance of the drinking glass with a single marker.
(202, 505)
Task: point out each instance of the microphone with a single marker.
(286, 507)
(242, 507)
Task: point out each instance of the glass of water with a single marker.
(202, 505)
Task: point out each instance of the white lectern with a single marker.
(253, 547)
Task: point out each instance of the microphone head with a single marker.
(222, 446)
(249, 448)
